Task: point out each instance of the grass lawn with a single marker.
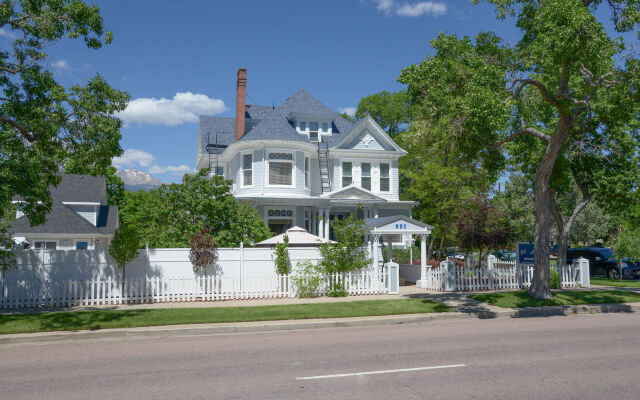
(101, 319)
(615, 282)
(564, 298)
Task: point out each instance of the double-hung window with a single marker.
(366, 176)
(45, 245)
(347, 176)
(313, 132)
(281, 169)
(385, 180)
(307, 182)
(247, 169)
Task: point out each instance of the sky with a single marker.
(178, 60)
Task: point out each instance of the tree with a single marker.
(348, 254)
(170, 215)
(516, 203)
(482, 226)
(43, 123)
(626, 245)
(203, 249)
(546, 86)
(124, 248)
(389, 110)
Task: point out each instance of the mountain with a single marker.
(137, 180)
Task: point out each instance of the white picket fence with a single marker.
(25, 294)
(502, 275)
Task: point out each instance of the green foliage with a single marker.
(43, 124)
(7, 258)
(124, 245)
(516, 203)
(170, 215)
(202, 251)
(282, 257)
(307, 279)
(627, 243)
(564, 298)
(389, 110)
(403, 256)
(348, 254)
(554, 279)
(481, 226)
(337, 289)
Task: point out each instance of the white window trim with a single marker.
(45, 240)
(268, 218)
(293, 167)
(242, 154)
(307, 175)
(380, 178)
(370, 175)
(353, 175)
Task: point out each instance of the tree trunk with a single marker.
(540, 287)
(440, 248)
(432, 242)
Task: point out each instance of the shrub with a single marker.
(282, 257)
(307, 279)
(554, 279)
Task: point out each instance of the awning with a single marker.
(298, 237)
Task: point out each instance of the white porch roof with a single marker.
(396, 225)
(298, 237)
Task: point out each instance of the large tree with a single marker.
(170, 215)
(546, 85)
(390, 110)
(43, 123)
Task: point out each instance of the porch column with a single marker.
(422, 283)
(326, 224)
(321, 222)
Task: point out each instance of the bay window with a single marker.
(247, 169)
(281, 169)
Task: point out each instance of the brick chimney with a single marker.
(241, 93)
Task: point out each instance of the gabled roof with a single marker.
(353, 192)
(63, 220)
(369, 124)
(77, 188)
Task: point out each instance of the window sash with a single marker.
(46, 245)
(347, 176)
(313, 136)
(303, 126)
(366, 176)
(325, 127)
(247, 169)
(385, 180)
(280, 173)
(313, 126)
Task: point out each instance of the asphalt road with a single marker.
(571, 357)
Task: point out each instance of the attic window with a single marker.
(313, 132)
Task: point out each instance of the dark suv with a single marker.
(601, 262)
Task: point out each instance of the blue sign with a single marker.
(525, 253)
(401, 226)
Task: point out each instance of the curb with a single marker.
(287, 325)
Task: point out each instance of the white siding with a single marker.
(86, 212)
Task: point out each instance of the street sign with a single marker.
(525, 253)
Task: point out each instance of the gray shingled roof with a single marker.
(269, 123)
(62, 219)
(77, 188)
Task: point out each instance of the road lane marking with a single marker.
(387, 371)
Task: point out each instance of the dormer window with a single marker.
(325, 127)
(302, 126)
(313, 132)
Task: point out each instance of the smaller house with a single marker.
(80, 218)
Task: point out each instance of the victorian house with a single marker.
(301, 163)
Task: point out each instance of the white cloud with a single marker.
(350, 111)
(423, 8)
(411, 10)
(60, 65)
(133, 158)
(7, 34)
(174, 170)
(184, 107)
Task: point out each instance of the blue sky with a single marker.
(178, 59)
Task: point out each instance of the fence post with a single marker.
(394, 277)
(448, 275)
(585, 279)
(491, 262)
(241, 267)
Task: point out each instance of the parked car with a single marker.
(601, 262)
